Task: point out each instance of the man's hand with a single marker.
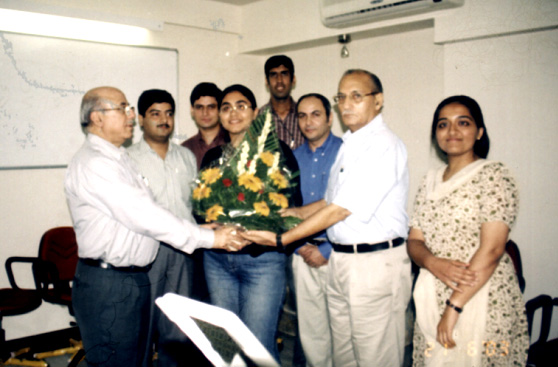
(228, 238)
(312, 256)
(291, 212)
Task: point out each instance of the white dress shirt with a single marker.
(114, 214)
(370, 178)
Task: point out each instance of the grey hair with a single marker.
(89, 103)
(373, 78)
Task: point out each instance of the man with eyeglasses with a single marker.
(118, 228)
(364, 212)
(280, 79)
(205, 99)
(169, 170)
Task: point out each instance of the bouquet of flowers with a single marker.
(250, 187)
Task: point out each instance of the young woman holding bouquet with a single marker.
(251, 282)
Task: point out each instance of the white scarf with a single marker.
(469, 331)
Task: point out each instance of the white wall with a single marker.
(32, 201)
(501, 52)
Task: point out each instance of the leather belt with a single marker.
(105, 265)
(367, 247)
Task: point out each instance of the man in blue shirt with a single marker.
(315, 158)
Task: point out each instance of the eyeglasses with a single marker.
(128, 110)
(241, 107)
(354, 96)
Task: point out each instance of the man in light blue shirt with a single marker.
(168, 170)
(310, 266)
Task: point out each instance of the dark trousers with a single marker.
(112, 312)
(170, 272)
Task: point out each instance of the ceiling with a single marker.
(236, 2)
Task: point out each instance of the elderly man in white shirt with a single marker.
(369, 285)
(118, 227)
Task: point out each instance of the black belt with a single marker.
(105, 265)
(366, 247)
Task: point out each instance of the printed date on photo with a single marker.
(490, 348)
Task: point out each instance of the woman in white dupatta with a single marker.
(470, 311)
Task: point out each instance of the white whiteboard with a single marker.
(42, 81)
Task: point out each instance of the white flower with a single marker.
(265, 132)
(241, 167)
(252, 168)
(275, 164)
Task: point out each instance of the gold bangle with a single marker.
(458, 309)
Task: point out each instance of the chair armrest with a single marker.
(19, 259)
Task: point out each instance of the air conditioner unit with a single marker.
(344, 13)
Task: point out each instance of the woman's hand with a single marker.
(266, 238)
(446, 326)
(452, 272)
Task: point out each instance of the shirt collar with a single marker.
(325, 146)
(376, 124)
(105, 146)
(144, 147)
(291, 110)
(220, 135)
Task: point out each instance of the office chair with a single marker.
(17, 301)
(54, 274)
(542, 352)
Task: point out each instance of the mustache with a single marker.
(164, 125)
(347, 112)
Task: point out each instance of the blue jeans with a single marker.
(251, 287)
(112, 312)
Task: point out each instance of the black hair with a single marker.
(205, 89)
(482, 146)
(324, 100)
(242, 90)
(276, 61)
(149, 97)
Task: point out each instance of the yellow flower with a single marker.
(279, 180)
(250, 181)
(213, 213)
(201, 192)
(261, 208)
(267, 158)
(211, 175)
(278, 199)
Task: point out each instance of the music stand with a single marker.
(221, 336)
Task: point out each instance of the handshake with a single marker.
(228, 237)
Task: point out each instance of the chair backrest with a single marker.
(545, 303)
(513, 251)
(543, 351)
(58, 255)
